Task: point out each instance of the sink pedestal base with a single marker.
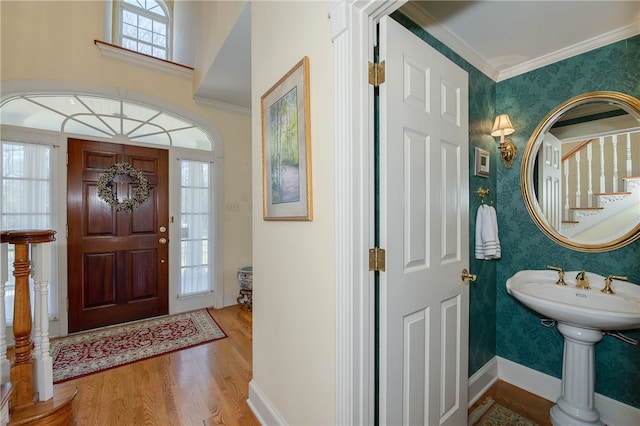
(575, 407)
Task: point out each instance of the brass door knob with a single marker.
(466, 276)
(163, 241)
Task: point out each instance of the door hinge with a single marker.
(377, 259)
(376, 73)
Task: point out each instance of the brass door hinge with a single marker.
(377, 259)
(376, 73)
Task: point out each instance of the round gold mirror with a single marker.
(580, 175)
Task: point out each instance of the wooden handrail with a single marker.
(576, 149)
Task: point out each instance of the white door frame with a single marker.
(353, 35)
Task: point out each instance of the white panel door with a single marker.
(550, 181)
(424, 227)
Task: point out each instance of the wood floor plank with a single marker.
(203, 385)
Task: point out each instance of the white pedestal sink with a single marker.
(582, 316)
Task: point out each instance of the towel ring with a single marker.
(482, 192)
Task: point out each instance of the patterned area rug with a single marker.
(93, 351)
(490, 413)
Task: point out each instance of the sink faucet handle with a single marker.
(560, 274)
(607, 283)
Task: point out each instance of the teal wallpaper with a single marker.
(499, 325)
(527, 99)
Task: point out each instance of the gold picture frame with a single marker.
(286, 147)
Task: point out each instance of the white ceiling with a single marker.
(500, 38)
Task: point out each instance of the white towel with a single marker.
(487, 240)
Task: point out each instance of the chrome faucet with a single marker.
(582, 281)
(607, 283)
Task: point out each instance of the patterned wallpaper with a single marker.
(527, 99)
(499, 325)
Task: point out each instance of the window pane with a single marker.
(26, 203)
(195, 236)
(145, 23)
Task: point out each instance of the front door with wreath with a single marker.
(117, 212)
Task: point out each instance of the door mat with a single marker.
(98, 350)
(490, 413)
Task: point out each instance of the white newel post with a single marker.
(43, 364)
(5, 366)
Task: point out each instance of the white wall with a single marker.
(54, 41)
(294, 297)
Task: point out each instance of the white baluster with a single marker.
(589, 176)
(628, 155)
(43, 364)
(565, 166)
(578, 193)
(603, 187)
(614, 149)
(5, 366)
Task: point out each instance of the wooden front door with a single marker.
(117, 260)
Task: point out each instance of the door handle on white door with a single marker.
(466, 276)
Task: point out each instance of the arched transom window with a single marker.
(103, 117)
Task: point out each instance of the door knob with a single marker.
(162, 241)
(466, 276)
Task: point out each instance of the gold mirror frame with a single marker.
(626, 102)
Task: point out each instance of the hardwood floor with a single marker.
(522, 402)
(208, 385)
(204, 385)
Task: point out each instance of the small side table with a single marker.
(245, 281)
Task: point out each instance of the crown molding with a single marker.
(430, 25)
(222, 105)
(574, 50)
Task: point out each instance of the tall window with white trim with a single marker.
(144, 26)
(26, 202)
(195, 228)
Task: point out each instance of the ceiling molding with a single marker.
(236, 109)
(430, 25)
(574, 50)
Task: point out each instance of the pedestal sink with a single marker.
(582, 317)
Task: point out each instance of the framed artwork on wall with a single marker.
(286, 147)
(482, 162)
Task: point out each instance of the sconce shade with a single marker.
(502, 123)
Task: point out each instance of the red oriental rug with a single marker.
(98, 350)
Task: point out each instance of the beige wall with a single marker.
(294, 297)
(54, 41)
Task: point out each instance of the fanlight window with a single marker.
(103, 117)
(143, 26)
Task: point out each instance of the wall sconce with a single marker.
(503, 127)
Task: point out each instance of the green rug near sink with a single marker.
(490, 413)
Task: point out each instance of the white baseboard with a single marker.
(612, 412)
(482, 380)
(263, 409)
(230, 299)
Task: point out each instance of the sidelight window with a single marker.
(195, 228)
(26, 202)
